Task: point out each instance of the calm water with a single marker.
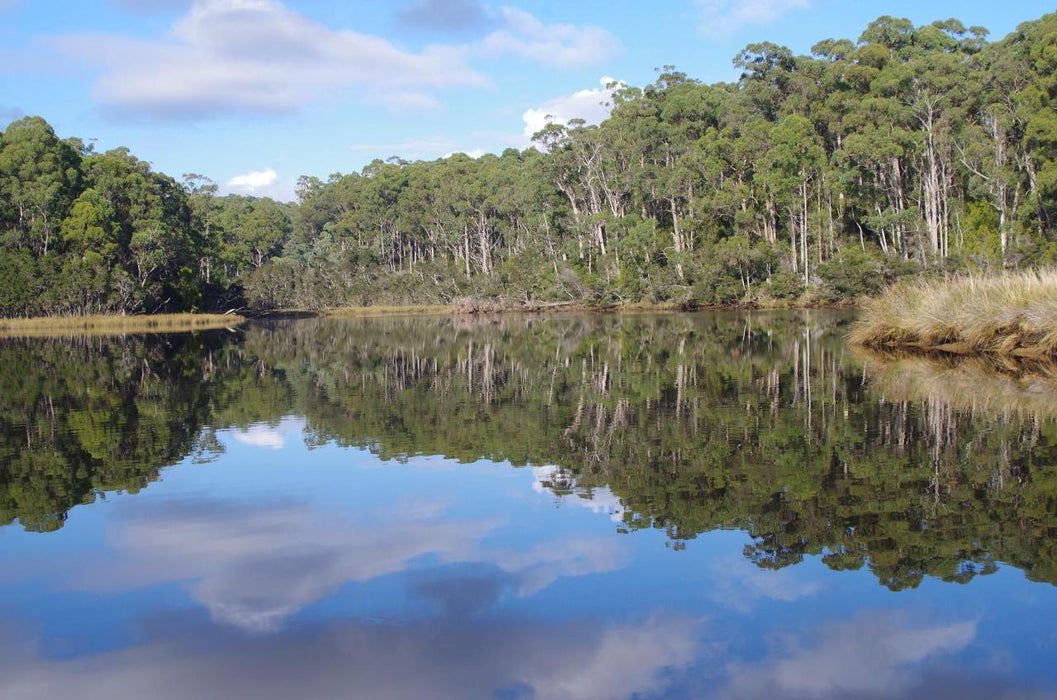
(711, 505)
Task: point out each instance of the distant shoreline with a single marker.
(117, 324)
(472, 307)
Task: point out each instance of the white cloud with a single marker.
(872, 656)
(401, 658)
(253, 56)
(150, 6)
(592, 105)
(225, 57)
(252, 182)
(551, 44)
(260, 435)
(254, 565)
(721, 17)
(739, 584)
(625, 662)
(445, 15)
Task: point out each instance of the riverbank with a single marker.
(174, 323)
(116, 325)
(1009, 314)
(474, 305)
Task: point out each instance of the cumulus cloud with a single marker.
(592, 105)
(721, 17)
(873, 655)
(253, 56)
(258, 435)
(445, 15)
(226, 57)
(254, 565)
(508, 657)
(251, 182)
(551, 44)
(740, 584)
(150, 6)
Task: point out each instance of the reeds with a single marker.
(1006, 314)
(115, 325)
(986, 385)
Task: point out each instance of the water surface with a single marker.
(707, 505)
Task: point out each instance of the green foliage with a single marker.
(853, 273)
(925, 148)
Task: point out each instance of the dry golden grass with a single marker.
(980, 384)
(115, 325)
(386, 310)
(1011, 313)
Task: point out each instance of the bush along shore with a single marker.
(1007, 314)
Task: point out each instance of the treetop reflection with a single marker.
(686, 423)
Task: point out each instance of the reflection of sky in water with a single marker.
(280, 572)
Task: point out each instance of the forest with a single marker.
(912, 151)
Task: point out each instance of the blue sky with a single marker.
(254, 93)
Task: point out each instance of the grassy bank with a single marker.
(115, 325)
(1007, 314)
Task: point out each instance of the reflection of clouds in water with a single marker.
(269, 437)
(434, 659)
(597, 500)
(625, 662)
(738, 583)
(253, 565)
(541, 565)
(874, 655)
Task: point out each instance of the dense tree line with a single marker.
(84, 232)
(913, 150)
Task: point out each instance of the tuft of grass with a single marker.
(1007, 314)
(115, 325)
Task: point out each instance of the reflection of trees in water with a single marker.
(80, 416)
(83, 416)
(698, 423)
(759, 422)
